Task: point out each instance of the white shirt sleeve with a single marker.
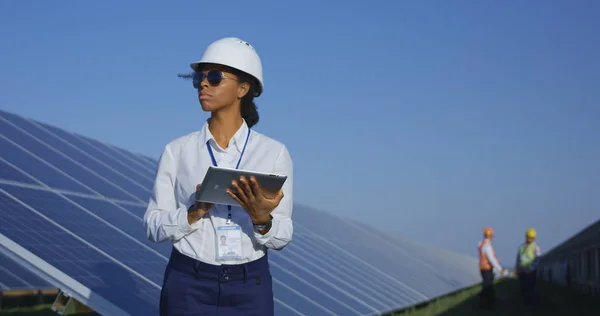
(164, 218)
(282, 228)
(487, 250)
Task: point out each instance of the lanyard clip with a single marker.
(229, 215)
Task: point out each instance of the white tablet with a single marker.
(218, 179)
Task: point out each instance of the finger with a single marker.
(239, 192)
(197, 187)
(279, 195)
(278, 198)
(240, 198)
(256, 189)
(247, 190)
(275, 200)
(236, 198)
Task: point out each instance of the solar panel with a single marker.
(14, 276)
(72, 210)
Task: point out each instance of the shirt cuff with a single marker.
(184, 225)
(263, 239)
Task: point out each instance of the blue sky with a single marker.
(431, 119)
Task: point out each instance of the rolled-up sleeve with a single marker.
(282, 227)
(164, 218)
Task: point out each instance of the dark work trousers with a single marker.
(487, 297)
(191, 287)
(527, 280)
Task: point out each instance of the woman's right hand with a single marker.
(198, 210)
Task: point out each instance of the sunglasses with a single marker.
(214, 78)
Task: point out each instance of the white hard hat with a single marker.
(235, 53)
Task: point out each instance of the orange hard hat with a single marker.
(488, 231)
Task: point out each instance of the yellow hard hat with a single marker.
(531, 233)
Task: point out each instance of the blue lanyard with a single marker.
(214, 161)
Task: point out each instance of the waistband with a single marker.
(225, 272)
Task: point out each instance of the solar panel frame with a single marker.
(56, 277)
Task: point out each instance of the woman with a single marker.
(204, 277)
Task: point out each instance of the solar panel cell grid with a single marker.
(145, 180)
(364, 253)
(9, 173)
(74, 256)
(35, 167)
(91, 230)
(297, 300)
(106, 170)
(126, 158)
(123, 219)
(350, 281)
(110, 240)
(64, 163)
(138, 210)
(342, 266)
(351, 261)
(13, 276)
(324, 282)
(315, 292)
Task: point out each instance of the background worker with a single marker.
(528, 259)
(487, 263)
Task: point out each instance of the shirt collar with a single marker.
(238, 140)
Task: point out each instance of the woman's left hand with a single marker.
(258, 202)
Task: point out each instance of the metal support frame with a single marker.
(583, 264)
(65, 304)
(597, 270)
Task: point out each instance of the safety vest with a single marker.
(527, 255)
(484, 263)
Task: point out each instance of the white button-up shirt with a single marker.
(182, 166)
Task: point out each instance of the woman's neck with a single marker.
(223, 126)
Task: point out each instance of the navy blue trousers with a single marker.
(191, 287)
(487, 296)
(527, 281)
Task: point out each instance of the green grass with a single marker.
(554, 300)
(442, 304)
(36, 310)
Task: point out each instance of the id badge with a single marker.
(229, 242)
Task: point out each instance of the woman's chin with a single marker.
(211, 107)
(206, 107)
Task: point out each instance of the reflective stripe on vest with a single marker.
(527, 255)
